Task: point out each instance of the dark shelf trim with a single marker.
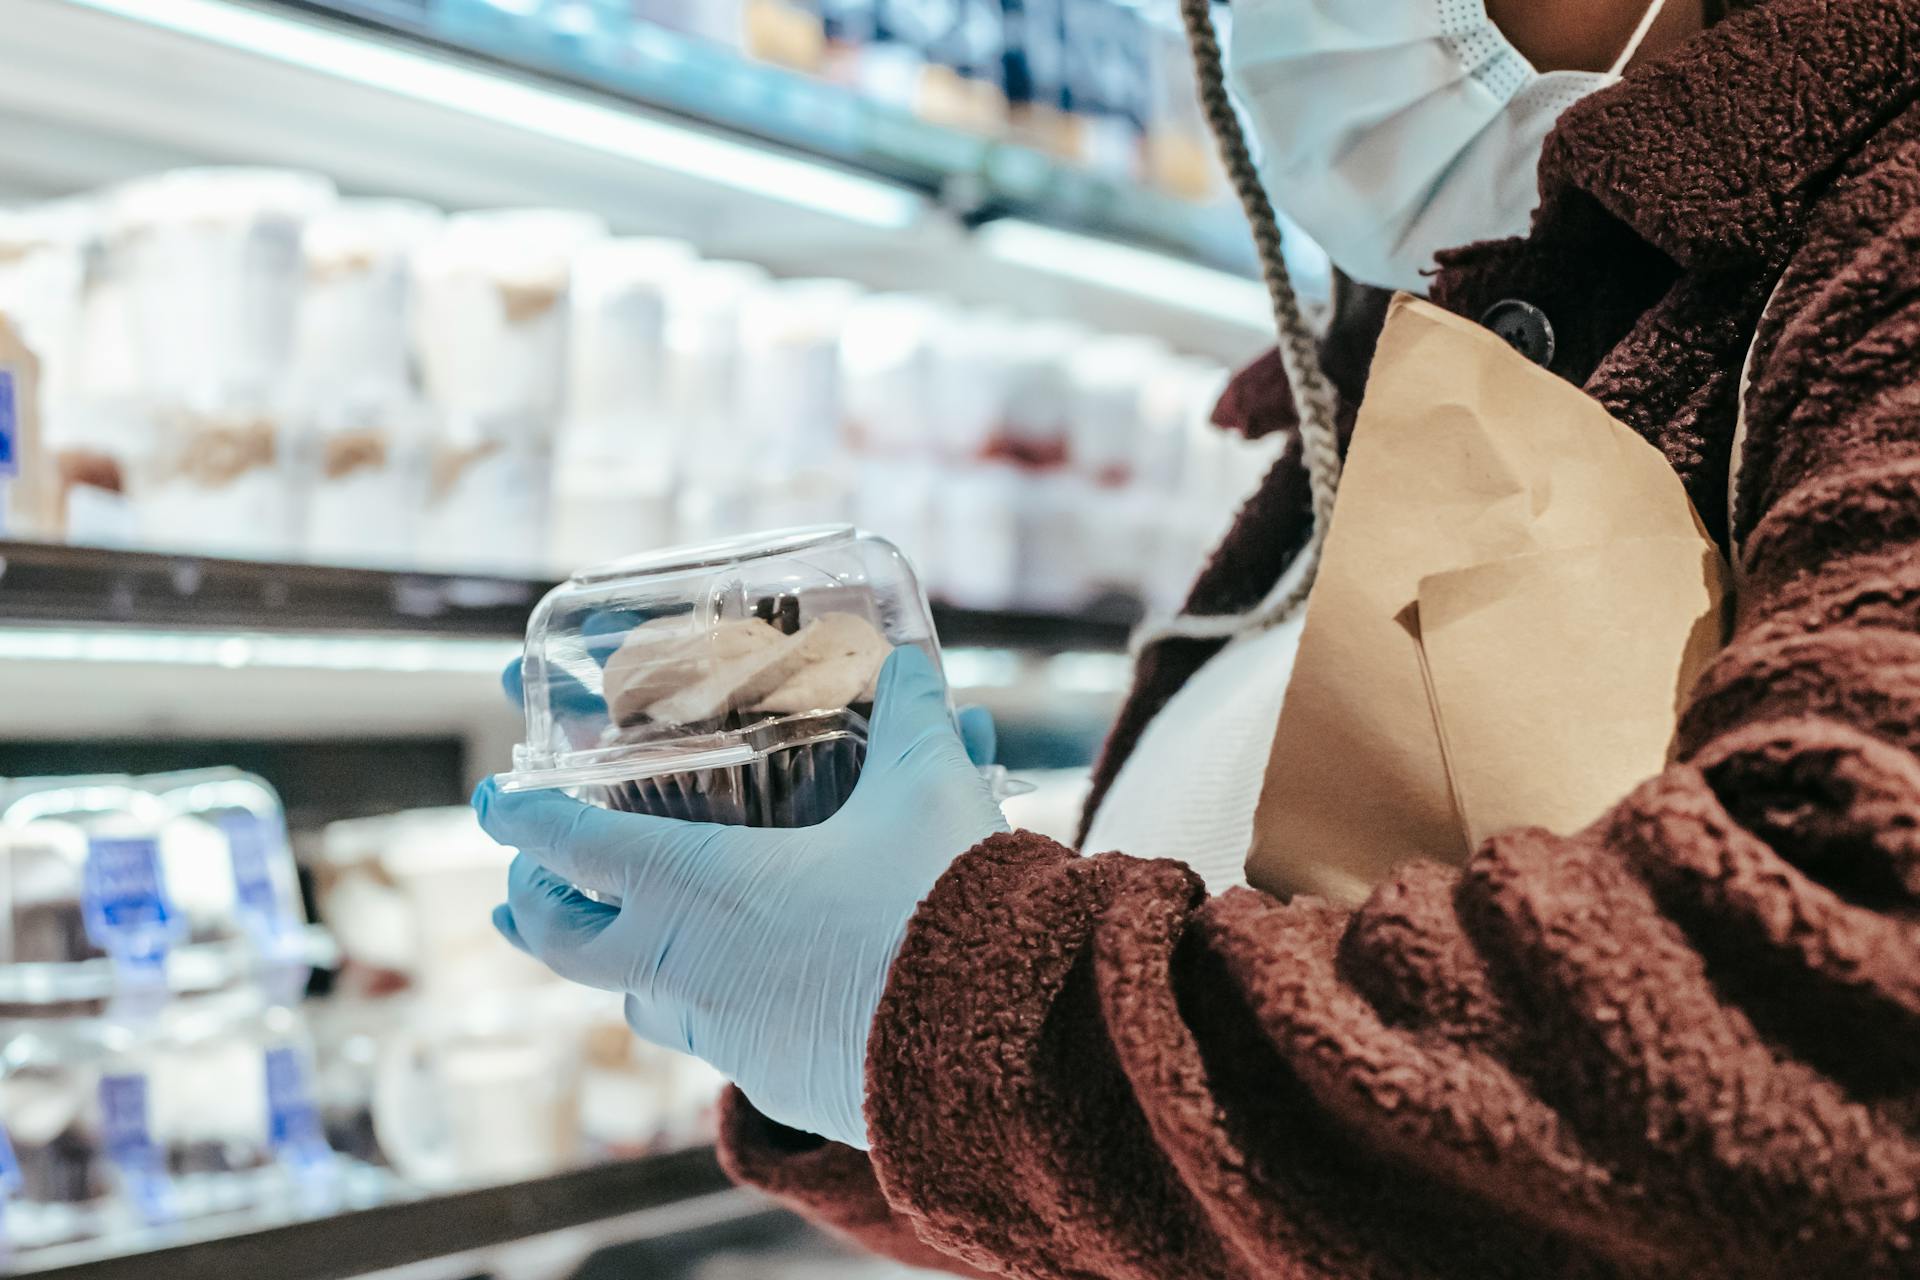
(362, 1241)
(54, 584)
(47, 584)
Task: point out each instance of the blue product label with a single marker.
(126, 909)
(255, 844)
(293, 1122)
(9, 426)
(9, 1166)
(125, 1131)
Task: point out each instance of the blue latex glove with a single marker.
(762, 951)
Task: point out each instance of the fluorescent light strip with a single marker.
(489, 96)
(1109, 264)
(259, 650)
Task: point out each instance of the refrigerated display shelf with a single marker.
(48, 584)
(980, 177)
(646, 1197)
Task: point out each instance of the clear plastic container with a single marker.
(115, 888)
(208, 1108)
(724, 683)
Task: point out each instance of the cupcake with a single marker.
(796, 695)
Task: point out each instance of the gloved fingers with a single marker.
(568, 698)
(583, 844)
(911, 703)
(657, 1023)
(503, 925)
(978, 732)
(561, 927)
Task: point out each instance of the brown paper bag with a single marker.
(1632, 623)
(1467, 455)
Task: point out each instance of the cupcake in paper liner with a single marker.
(798, 696)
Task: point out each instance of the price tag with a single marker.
(293, 1122)
(125, 905)
(9, 425)
(256, 845)
(9, 1166)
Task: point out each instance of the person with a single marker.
(1682, 1042)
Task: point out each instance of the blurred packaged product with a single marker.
(212, 264)
(122, 889)
(1181, 158)
(485, 1089)
(618, 457)
(361, 457)
(490, 325)
(206, 1108)
(786, 33)
(889, 349)
(42, 265)
(1107, 378)
(979, 537)
(410, 897)
(970, 393)
(1108, 83)
(1034, 71)
(25, 478)
(790, 407)
(1038, 394)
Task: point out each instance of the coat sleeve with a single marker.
(1683, 1042)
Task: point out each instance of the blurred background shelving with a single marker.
(357, 324)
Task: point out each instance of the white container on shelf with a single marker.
(616, 388)
(1106, 377)
(973, 383)
(889, 349)
(363, 425)
(979, 537)
(619, 453)
(1038, 399)
(490, 313)
(790, 373)
(1054, 558)
(212, 263)
(490, 321)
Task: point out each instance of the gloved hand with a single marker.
(762, 951)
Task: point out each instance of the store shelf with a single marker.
(977, 176)
(46, 584)
(650, 1197)
(742, 160)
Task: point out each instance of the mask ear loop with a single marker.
(1638, 38)
(1313, 395)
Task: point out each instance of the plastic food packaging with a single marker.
(211, 261)
(114, 1126)
(725, 683)
(212, 257)
(490, 324)
(121, 889)
(483, 1090)
(362, 421)
(619, 452)
(410, 896)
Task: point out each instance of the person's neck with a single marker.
(1588, 35)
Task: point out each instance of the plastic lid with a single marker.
(712, 656)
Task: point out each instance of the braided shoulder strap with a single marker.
(1313, 395)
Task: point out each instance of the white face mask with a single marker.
(1392, 129)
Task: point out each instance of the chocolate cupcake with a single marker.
(798, 701)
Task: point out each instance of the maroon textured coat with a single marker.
(1685, 1042)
